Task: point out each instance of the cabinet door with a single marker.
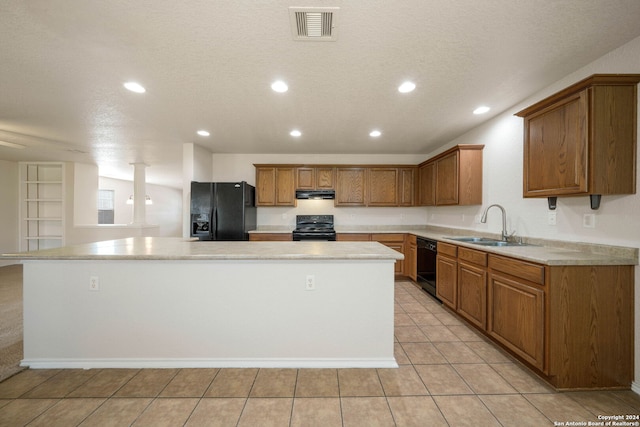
(383, 187)
(265, 186)
(447, 280)
(411, 261)
(270, 237)
(306, 178)
(472, 293)
(427, 185)
(447, 180)
(555, 148)
(285, 187)
(516, 317)
(325, 178)
(399, 265)
(406, 187)
(350, 187)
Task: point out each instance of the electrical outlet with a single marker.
(589, 221)
(552, 218)
(310, 283)
(94, 283)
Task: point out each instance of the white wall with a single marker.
(239, 167)
(196, 166)
(9, 238)
(85, 193)
(617, 220)
(166, 210)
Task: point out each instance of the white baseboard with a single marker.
(635, 387)
(206, 363)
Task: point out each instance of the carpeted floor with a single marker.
(10, 320)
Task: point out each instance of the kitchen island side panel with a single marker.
(227, 313)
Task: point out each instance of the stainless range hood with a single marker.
(315, 194)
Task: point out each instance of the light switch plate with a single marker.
(589, 221)
(552, 218)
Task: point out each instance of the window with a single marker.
(105, 206)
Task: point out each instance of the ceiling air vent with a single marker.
(314, 23)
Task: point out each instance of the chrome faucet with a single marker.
(505, 234)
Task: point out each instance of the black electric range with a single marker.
(314, 227)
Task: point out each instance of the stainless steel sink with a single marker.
(501, 243)
(474, 239)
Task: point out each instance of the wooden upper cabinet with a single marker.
(383, 187)
(406, 186)
(453, 177)
(275, 186)
(582, 140)
(427, 184)
(306, 178)
(325, 178)
(315, 178)
(351, 186)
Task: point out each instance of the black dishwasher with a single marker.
(427, 251)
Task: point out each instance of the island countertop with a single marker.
(175, 248)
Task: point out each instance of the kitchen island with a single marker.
(169, 302)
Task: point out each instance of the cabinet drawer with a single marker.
(472, 256)
(411, 239)
(447, 249)
(522, 269)
(270, 237)
(353, 237)
(387, 237)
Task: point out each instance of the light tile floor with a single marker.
(448, 375)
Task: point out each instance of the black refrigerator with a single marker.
(222, 210)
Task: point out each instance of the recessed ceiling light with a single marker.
(481, 110)
(203, 133)
(295, 133)
(279, 86)
(135, 87)
(406, 87)
(375, 133)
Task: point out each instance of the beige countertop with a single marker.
(174, 248)
(542, 251)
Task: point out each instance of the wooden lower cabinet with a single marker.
(516, 317)
(411, 257)
(394, 241)
(447, 275)
(353, 237)
(270, 237)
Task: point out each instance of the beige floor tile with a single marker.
(415, 411)
(458, 352)
(21, 411)
(425, 319)
(366, 412)
(147, 383)
(397, 308)
(105, 383)
(414, 307)
(466, 333)
(403, 381)
(488, 352)
(167, 411)
(442, 379)
(24, 381)
(359, 383)
(559, 408)
(190, 383)
(514, 410)
(402, 319)
(439, 333)
(423, 353)
(463, 411)
(274, 383)
(67, 412)
(117, 412)
(61, 384)
(628, 397)
(601, 403)
(448, 319)
(400, 355)
(520, 378)
(409, 334)
(316, 412)
(266, 412)
(483, 379)
(217, 412)
(317, 383)
(232, 382)
(4, 402)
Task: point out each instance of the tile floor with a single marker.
(448, 375)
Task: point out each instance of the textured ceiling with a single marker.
(209, 65)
